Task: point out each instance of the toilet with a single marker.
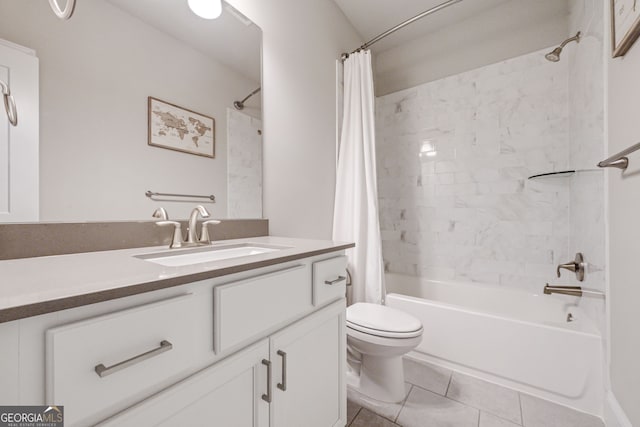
(377, 338)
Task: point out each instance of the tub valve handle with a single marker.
(577, 266)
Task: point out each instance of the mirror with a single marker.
(97, 74)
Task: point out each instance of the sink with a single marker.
(180, 257)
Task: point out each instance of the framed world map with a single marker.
(180, 129)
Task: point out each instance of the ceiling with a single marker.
(372, 17)
(230, 39)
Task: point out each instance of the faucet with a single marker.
(192, 233)
(577, 266)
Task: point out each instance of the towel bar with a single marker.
(151, 195)
(619, 160)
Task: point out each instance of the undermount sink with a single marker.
(177, 258)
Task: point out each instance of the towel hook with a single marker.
(9, 103)
(63, 13)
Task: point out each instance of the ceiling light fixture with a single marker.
(207, 9)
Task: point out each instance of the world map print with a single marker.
(180, 129)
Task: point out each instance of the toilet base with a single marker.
(381, 378)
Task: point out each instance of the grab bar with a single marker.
(151, 195)
(574, 291)
(619, 160)
(9, 103)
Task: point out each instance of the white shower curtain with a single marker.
(355, 217)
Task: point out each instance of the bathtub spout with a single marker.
(574, 291)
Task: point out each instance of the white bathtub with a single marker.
(506, 336)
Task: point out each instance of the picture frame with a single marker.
(177, 128)
(625, 25)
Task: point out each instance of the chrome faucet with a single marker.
(192, 233)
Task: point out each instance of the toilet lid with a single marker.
(382, 321)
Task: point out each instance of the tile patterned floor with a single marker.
(438, 397)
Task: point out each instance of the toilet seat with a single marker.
(382, 321)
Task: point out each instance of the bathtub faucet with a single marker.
(576, 266)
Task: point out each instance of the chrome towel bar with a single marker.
(619, 160)
(150, 194)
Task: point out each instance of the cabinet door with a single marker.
(227, 394)
(308, 360)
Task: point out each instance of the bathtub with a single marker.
(506, 336)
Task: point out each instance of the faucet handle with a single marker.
(577, 266)
(177, 240)
(204, 234)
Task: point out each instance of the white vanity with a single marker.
(256, 340)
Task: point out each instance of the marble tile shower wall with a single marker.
(453, 158)
(244, 165)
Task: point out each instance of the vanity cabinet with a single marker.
(260, 347)
(308, 361)
(294, 378)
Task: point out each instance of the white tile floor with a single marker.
(438, 397)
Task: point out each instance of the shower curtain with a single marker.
(355, 217)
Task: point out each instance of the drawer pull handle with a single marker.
(267, 397)
(333, 282)
(103, 371)
(283, 385)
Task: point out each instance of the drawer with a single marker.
(225, 394)
(329, 280)
(245, 309)
(100, 365)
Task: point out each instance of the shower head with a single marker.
(554, 55)
(239, 105)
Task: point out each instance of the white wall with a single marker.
(94, 158)
(511, 29)
(301, 41)
(624, 230)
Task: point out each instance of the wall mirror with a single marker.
(96, 73)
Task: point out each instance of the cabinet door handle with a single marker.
(103, 371)
(334, 281)
(267, 397)
(283, 385)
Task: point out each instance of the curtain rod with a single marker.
(402, 25)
